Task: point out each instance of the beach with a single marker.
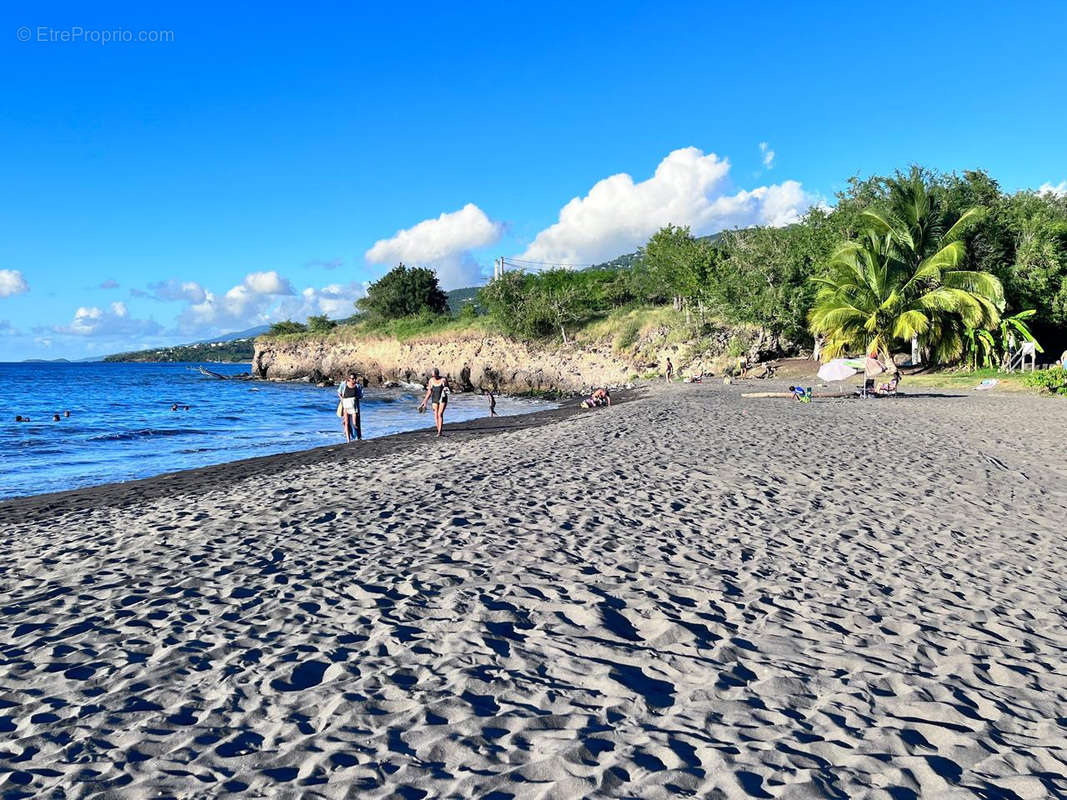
(690, 593)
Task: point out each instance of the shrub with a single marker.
(286, 326)
(468, 311)
(320, 324)
(1051, 380)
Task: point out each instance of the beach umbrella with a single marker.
(837, 370)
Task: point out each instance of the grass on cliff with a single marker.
(637, 332)
(420, 326)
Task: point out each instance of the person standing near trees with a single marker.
(670, 369)
(350, 393)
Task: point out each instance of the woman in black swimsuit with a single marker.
(437, 394)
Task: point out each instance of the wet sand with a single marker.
(691, 594)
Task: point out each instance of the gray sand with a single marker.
(693, 594)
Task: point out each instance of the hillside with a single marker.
(623, 346)
(230, 351)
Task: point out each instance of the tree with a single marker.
(872, 297)
(404, 292)
(320, 324)
(764, 277)
(286, 326)
(910, 261)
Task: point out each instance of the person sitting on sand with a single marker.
(350, 392)
(872, 368)
(890, 386)
(600, 397)
(437, 395)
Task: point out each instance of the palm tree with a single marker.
(870, 297)
(903, 279)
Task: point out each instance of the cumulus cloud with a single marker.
(267, 283)
(1059, 189)
(335, 301)
(113, 321)
(687, 188)
(768, 155)
(12, 282)
(110, 283)
(444, 243)
(254, 301)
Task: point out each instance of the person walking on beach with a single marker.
(437, 395)
(492, 402)
(350, 393)
(670, 370)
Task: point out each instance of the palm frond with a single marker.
(969, 217)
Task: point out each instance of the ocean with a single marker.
(121, 426)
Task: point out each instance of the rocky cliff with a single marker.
(475, 361)
(471, 363)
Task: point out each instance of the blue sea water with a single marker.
(121, 425)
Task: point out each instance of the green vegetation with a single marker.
(1050, 380)
(539, 305)
(904, 279)
(285, 327)
(320, 324)
(235, 351)
(403, 292)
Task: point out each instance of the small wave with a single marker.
(146, 433)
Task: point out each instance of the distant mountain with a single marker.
(250, 333)
(457, 298)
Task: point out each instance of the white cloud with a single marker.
(335, 301)
(444, 243)
(6, 328)
(114, 322)
(258, 299)
(768, 155)
(1060, 189)
(267, 283)
(12, 282)
(618, 215)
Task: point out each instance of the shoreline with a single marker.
(34, 507)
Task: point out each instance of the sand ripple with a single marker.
(693, 594)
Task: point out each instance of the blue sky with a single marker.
(267, 162)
